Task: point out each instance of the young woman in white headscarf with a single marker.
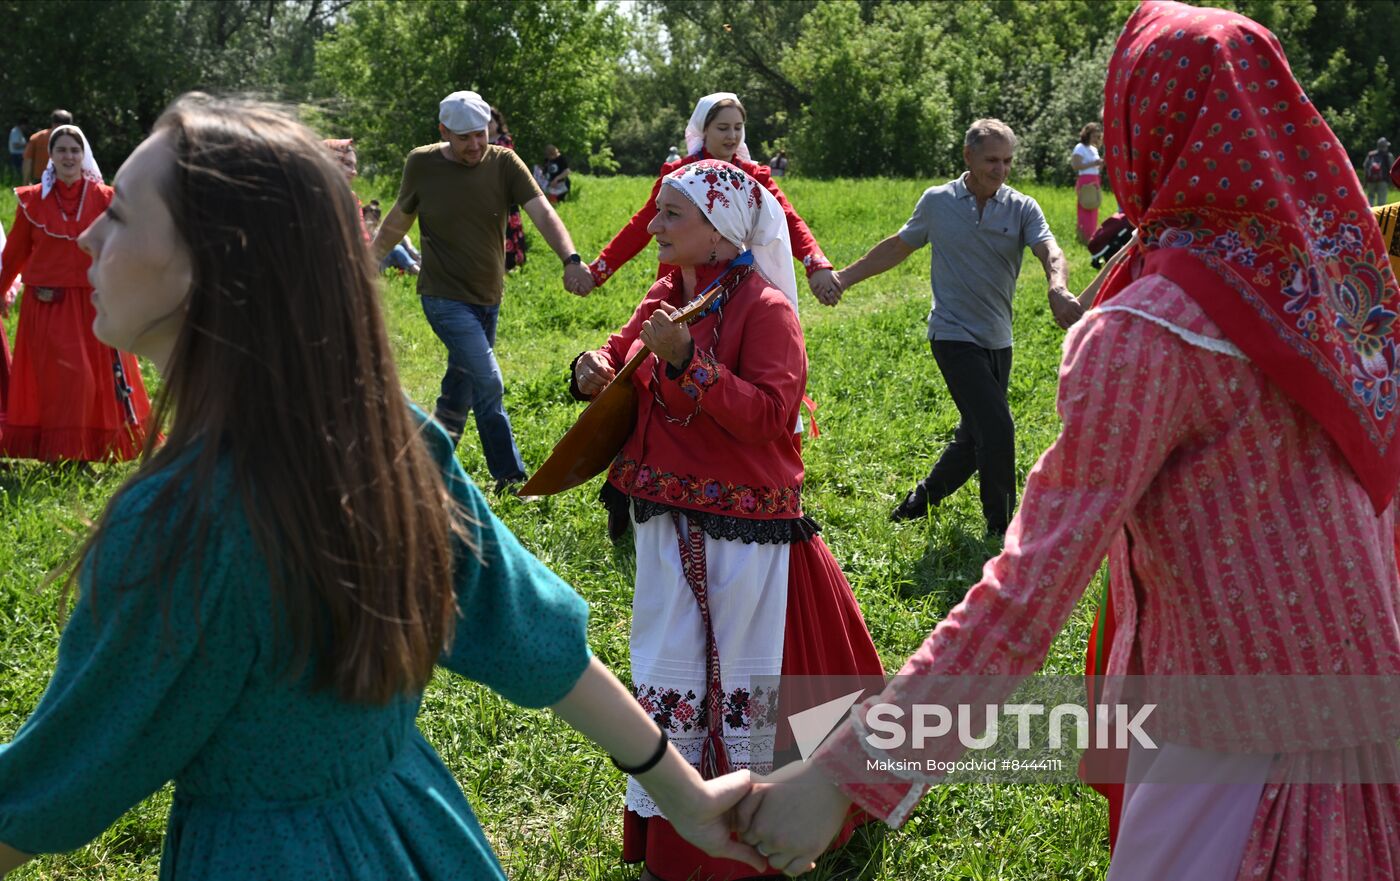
(70, 397)
(733, 580)
(715, 131)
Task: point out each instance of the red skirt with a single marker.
(62, 401)
(825, 635)
(4, 371)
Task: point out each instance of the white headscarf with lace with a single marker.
(90, 169)
(745, 213)
(695, 129)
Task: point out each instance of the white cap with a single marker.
(463, 112)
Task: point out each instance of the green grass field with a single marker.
(551, 802)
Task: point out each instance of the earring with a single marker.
(713, 256)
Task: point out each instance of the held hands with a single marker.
(670, 341)
(705, 819)
(791, 816)
(826, 286)
(785, 820)
(1066, 309)
(578, 280)
(592, 373)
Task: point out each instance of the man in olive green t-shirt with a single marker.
(461, 190)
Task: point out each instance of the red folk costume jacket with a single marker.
(43, 242)
(718, 437)
(632, 238)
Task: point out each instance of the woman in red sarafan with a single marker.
(70, 397)
(734, 585)
(715, 131)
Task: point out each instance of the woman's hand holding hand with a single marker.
(670, 341)
(825, 287)
(791, 816)
(703, 816)
(592, 373)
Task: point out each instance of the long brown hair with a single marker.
(283, 375)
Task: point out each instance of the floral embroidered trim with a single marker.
(744, 710)
(672, 710)
(1337, 274)
(816, 262)
(749, 530)
(699, 375)
(600, 271)
(679, 712)
(689, 491)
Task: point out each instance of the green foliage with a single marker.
(863, 118)
(681, 51)
(850, 87)
(1074, 97)
(117, 65)
(865, 87)
(549, 66)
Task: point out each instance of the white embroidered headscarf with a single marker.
(745, 213)
(695, 129)
(90, 169)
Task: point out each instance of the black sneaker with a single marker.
(508, 486)
(914, 506)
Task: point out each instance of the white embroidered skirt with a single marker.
(748, 586)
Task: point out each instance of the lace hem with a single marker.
(718, 526)
(1210, 344)
(741, 751)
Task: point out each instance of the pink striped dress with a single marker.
(1254, 550)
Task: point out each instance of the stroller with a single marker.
(1109, 238)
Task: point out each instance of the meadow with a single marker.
(550, 802)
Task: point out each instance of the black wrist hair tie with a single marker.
(649, 763)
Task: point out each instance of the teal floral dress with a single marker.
(272, 781)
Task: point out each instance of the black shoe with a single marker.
(914, 506)
(508, 485)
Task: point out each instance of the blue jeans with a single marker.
(397, 259)
(473, 381)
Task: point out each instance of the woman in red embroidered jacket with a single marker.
(715, 131)
(733, 581)
(71, 398)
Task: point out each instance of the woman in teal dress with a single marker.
(263, 602)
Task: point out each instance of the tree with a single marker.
(117, 65)
(549, 66)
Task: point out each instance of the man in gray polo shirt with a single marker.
(978, 227)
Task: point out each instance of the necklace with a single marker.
(82, 198)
